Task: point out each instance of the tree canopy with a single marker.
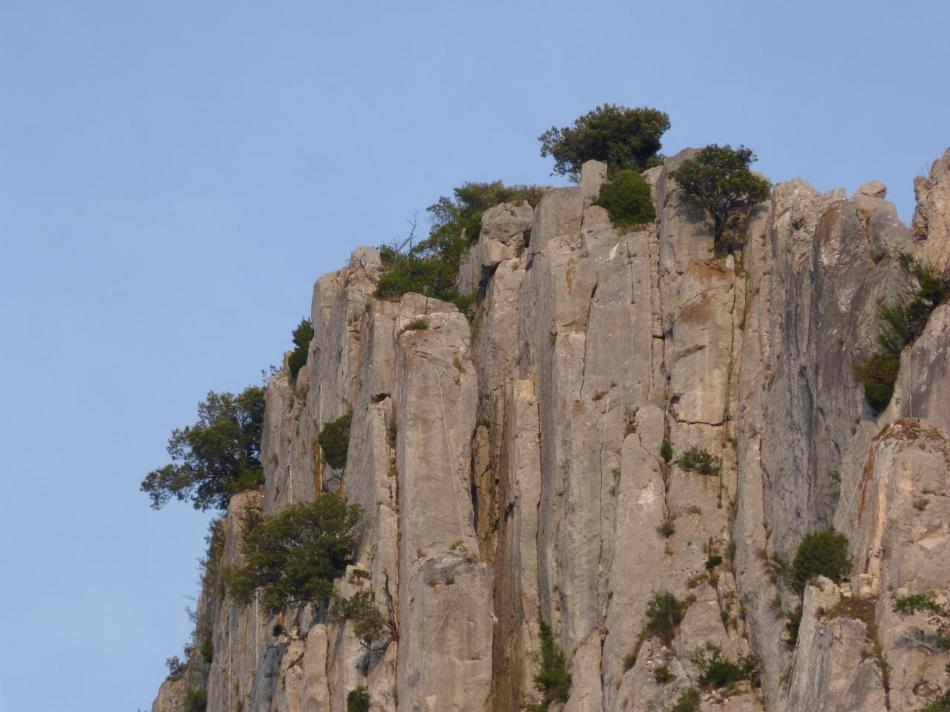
(294, 556)
(216, 457)
(301, 336)
(718, 181)
(431, 266)
(621, 137)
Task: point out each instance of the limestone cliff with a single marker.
(510, 472)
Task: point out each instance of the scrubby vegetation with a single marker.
(666, 451)
(938, 615)
(793, 621)
(334, 440)
(688, 702)
(623, 138)
(941, 704)
(357, 700)
(553, 680)
(626, 197)
(664, 615)
(216, 457)
(821, 553)
(719, 182)
(718, 671)
(698, 460)
(416, 325)
(294, 556)
(666, 528)
(431, 266)
(902, 322)
(196, 700)
(301, 336)
(371, 627)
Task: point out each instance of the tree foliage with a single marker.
(821, 553)
(621, 137)
(358, 700)
(664, 614)
(431, 266)
(301, 336)
(294, 556)
(626, 197)
(216, 457)
(334, 440)
(370, 626)
(901, 322)
(718, 181)
(553, 680)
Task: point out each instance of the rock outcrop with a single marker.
(511, 470)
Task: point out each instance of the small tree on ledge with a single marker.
(718, 181)
(623, 138)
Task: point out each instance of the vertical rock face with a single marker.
(512, 470)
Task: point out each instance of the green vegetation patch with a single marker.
(294, 556)
(718, 181)
(621, 137)
(216, 457)
(357, 700)
(431, 266)
(689, 701)
(821, 553)
(698, 460)
(664, 615)
(301, 336)
(718, 671)
(626, 197)
(902, 322)
(334, 440)
(553, 680)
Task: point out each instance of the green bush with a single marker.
(689, 701)
(902, 322)
(918, 602)
(294, 556)
(176, 668)
(664, 614)
(357, 700)
(369, 625)
(553, 680)
(667, 528)
(793, 621)
(938, 615)
(416, 325)
(821, 553)
(719, 182)
(718, 671)
(698, 460)
(626, 197)
(196, 700)
(713, 561)
(207, 649)
(666, 451)
(301, 336)
(334, 440)
(431, 267)
(623, 138)
(941, 704)
(216, 457)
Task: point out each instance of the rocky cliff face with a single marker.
(510, 468)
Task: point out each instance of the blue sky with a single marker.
(175, 175)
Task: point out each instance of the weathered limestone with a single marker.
(931, 223)
(510, 470)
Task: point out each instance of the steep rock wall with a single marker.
(510, 472)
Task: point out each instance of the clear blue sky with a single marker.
(174, 175)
